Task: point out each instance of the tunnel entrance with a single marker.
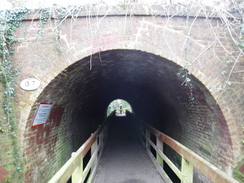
(162, 93)
(119, 106)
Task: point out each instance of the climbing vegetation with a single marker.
(231, 20)
(9, 21)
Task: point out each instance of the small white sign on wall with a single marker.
(42, 114)
(30, 84)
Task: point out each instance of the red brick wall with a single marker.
(211, 127)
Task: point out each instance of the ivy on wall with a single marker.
(9, 21)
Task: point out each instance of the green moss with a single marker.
(237, 174)
(122, 5)
(205, 151)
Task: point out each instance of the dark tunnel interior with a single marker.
(149, 83)
(160, 92)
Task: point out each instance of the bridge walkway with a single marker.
(124, 159)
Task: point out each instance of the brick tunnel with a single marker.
(155, 88)
(184, 81)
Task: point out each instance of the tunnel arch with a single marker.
(153, 85)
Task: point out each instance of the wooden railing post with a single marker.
(101, 142)
(93, 150)
(187, 171)
(77, 174)
(159, 144)
(189, 159)
(104, 135)
(74, 166)
(147, 137)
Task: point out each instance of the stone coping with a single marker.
(102, 10)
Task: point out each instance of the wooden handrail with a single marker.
(207, 169)
(66, 171)
(189, 160)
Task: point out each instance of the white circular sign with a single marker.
(30, 84)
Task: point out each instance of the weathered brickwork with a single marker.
(6, 145)
(95, 60)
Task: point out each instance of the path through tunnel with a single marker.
(161, 93)
(124, 159)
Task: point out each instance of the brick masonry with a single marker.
(136, 58)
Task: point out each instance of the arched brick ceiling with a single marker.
(152, 86)
(148, 82)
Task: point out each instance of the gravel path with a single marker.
(124, 159)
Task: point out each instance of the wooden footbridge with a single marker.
(134, 152)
